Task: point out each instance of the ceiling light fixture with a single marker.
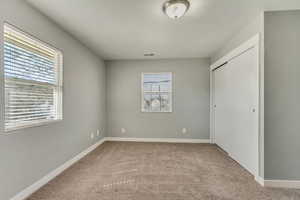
(176, 8)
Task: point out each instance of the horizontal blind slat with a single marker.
(21, 122)
(28, 114)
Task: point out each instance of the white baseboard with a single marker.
(278, 183)
(260, 180)
(163, 140)
(282, 184)
(43, 181)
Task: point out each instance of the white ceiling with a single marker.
(126, 29)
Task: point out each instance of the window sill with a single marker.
(156, 111)
(8, 131)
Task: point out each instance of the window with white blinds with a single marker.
(33, 80)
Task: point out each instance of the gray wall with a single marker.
(282, 95)
(29, 154)
(255, 26)
(190, 99)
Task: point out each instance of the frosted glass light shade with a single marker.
(176, 8)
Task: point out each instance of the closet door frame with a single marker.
(253, 42)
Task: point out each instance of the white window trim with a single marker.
(142, 93)
(59, 85)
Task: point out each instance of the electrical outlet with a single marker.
(98, 133)
(123, 130)
(92, 135)
(184, 131)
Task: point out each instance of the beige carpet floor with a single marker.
(158, 171)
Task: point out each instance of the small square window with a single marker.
(157, 92)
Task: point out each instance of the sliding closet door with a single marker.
(236, 111)
(222, 108)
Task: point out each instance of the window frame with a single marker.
(58, 86)
(171, 92)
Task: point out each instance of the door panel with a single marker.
(236, 112)
(221, 89)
